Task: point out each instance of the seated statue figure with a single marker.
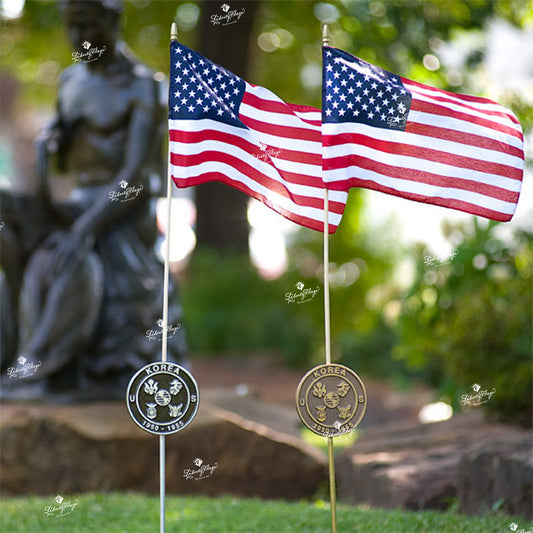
(91, 296)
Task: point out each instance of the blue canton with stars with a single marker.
(200, 88)
(356, 91)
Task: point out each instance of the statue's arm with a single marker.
(47, 143)
(51, 142)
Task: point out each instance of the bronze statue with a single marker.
(91, 293)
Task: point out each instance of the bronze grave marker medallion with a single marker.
(331, 400)
(162, 398)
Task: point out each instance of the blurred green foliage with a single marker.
(228, 307)
(469, 319)
(362, 262)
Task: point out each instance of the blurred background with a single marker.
(420, 295)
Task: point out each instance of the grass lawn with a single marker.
(136, 513)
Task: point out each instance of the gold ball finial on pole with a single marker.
(325, 35)
(174, 32)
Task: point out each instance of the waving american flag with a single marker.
(397, 136)
(223, 128)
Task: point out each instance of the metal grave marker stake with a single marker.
(331, 398)
(331, 401)
(162, 397)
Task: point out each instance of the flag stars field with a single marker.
(206, 89)
(372, 87)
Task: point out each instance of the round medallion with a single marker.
(162, 398)
(331, 400)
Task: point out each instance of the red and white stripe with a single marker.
(286, 174)
(457, 151)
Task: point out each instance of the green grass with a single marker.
(136, 513)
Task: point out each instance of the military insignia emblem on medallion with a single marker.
(162, 398)
(331, 400)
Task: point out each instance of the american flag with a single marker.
(223, 128)
(400, 137)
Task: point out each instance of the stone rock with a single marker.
(421, 479)
(55, 450)
(497, 473)
(414, 466)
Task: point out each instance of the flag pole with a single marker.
(164, 348)
(325, 42)
(331, 461)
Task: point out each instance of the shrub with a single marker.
(470, 321)
(229, 307)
